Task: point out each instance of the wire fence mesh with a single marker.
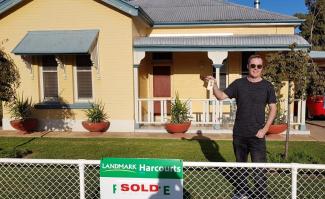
(21, 179)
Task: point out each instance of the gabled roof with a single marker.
(119, 4)
(188, 12)
(230, 43)
(170, 12)
(122, 5)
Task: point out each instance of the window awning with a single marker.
(57, 42)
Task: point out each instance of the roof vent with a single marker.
(257, 4)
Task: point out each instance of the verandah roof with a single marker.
(229, 43)
(57, 42)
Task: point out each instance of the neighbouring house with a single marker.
(319, 58)
(134, 55)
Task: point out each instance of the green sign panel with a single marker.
(141, 168)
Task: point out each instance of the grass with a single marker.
(49, 181)
(96, 148)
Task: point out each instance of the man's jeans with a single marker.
(257, 149)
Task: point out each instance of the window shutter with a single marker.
(50, 78)
(84, 77)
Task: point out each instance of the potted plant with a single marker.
(279, 124)
(20, 110)
(97, 118)
(180, 117)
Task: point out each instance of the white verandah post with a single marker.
(137, 57)
(217, 58)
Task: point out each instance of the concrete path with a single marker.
(317, 129)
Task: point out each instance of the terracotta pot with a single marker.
(177, 128)
(24, 126)
(277, 128)
(96, 127)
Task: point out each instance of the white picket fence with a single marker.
(43, 178)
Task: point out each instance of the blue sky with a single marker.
(288, 7)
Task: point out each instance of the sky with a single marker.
(288, 7)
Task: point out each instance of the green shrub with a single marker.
(20, 108)
(96, 113)
(179, 111)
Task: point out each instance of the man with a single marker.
(252, 94)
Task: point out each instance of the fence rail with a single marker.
(202, 111)
(206, 111)
(33, 178)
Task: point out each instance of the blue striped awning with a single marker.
(57, 42)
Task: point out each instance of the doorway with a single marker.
(161, 86)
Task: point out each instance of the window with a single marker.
(50, 78)
(244, 69)
(84, 79)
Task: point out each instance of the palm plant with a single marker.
(96, 113)
(179, 111)
(20, 108)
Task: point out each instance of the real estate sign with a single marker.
(141, 178)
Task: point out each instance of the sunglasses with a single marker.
(259, 66)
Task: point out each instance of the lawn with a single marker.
(61, 181)
(96, 148)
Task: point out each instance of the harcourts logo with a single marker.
(152, 188)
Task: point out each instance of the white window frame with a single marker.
(75, 84)
(42, 83)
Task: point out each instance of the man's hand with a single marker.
(261, 133)
(220, 95)
(208, 78)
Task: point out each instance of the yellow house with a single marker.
(135, 55)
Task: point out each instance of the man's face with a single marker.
(255, 67)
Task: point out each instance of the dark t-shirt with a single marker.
(251, 99)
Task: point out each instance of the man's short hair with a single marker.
(255, 57)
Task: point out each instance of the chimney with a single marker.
(257, 4)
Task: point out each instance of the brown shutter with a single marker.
(84, 79)
(50, 78)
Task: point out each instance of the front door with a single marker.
(161, 86)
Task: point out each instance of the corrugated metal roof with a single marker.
(122, 5)
(317, 54)
(7, 4)
(234, 42)
(57, 42)
(164, 11)
(169, 12)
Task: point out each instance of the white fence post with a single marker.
(82, 178)
(294, 173)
